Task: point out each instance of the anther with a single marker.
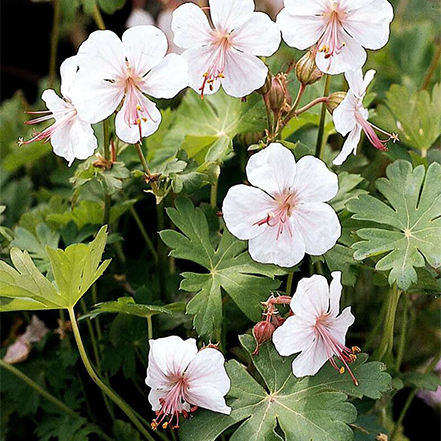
(341, 370)
(355, 349)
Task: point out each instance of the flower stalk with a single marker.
(319, 149)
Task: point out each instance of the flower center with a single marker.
(279, 217)
(369, 130)
(334, 347)
(216, 64)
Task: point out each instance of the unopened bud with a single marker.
(262, 331)
(279, 97)
(334, 100)
(307, 71)
(267, 85)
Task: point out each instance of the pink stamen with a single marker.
(368, 129)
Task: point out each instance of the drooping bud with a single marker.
(307, 71)
(267, 85)
(262, 331)
(279, 97)
(334, 100)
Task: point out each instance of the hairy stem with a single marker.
(289, 283)
(55, 37)
(97, 18)
(403, 333)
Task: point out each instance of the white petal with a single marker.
(243, 73)
(190, 27)
(130, 133)
(349, 146)
(344, 114)
(313, 181)
(258, 35)
(208, 381)
(311, 299)
(357, 84)
(168, 356)
(369, 25)
(167, 78)
(335, 294)
(199, 61)
(103, 53)
(68, 71)
(338, 327)
(243, 208)
(155, 395)
(309, 361)
(301, 23)
(145, 47)
(17, 352)
(286, 249)
(229, 14)
(54, 103)
(272, 169)
(139, 17)
(95, 98)
(351, 57)
(319, 226)
(293, 336)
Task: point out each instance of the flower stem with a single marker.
(37, 388)
(289, 283)
(320, 144)
(268, 116)
(97, 18)
(107, 197)
(55, 37)
(109, 392)
(432, 67)
(213, 194)
(403, 334)
(149, 327)
(144, 234)
(162, 252)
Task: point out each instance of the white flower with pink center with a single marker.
(340, 28)
(183, 378)
(70, 136)
(351, 117)
(226, 51)
(284, 214)
(114, 71)
(316, 330)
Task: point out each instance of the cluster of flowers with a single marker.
(284, 213)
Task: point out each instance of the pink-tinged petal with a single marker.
(94, 97)
(338, 327)
(54, 103)
(68, 72)
(243, 208)
(190, 27)
(344, 114)
(319, 226)
(207, 368)
(350, 57)
(130, 133)
(272, 169)
(145, 47)
(199, 61)
(301, 23)
(139, 17)
(17, 352)
(349, 146)
(243, 73)
(155, 395)
(309, 361)
(207, 398)
(311, 299)
(167, 78)
(168, 356)
(258, 35)
(369, 25)
(83, 141)
(103, 53)
(227, 15)
(35, 331)
(313, 181)
(286, 249)
(293, 336)
(335, 289)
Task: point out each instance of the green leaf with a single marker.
(309, 409)
(340, 258)
(124, 431)
(409, 228)
(75, 270)
(229, 268)
(347, 190)
(127, 305)
(421, 380)
(111, 6)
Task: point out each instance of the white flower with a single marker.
(341, 29)
(139, 17)
(70, 136)
(181, 378)
(316, 330)
(227, 52)
(112, 71)
(286, 215)
(351, 117)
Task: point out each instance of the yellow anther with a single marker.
(353, 357)
(343, 44)
(138, 107)
(164, 425)
(356, 349)
(205, 75)
(342, 370)
(221, 75)
(138, 121)
(144, 119)
(154, 425)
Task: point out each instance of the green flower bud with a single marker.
(334, 101)
(307, 71)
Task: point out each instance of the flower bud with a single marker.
(262, 332)
(279, 97)
(267, 85)
(334, 101)
(307, 71)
